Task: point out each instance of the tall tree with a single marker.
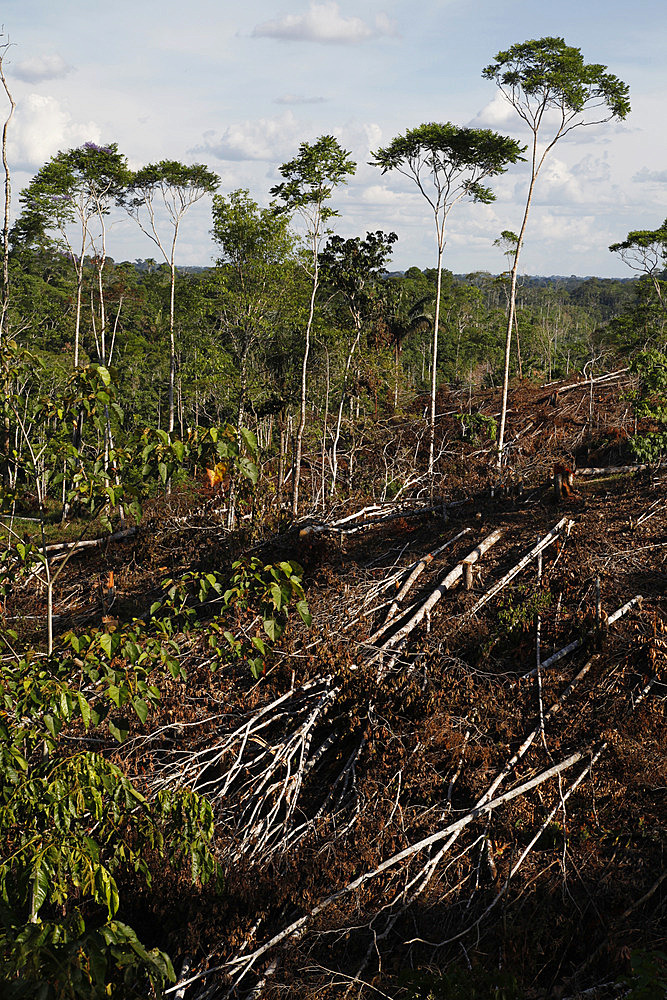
(447, 163)
(645, 250)
(77, 187)
(351, 268)
(177, 187)
(310, 179)
(549, 85)
(4, 301)
(256, 247)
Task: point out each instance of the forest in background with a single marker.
(564, 328)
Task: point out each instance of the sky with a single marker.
(238, 86)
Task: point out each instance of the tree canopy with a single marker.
(546, 74)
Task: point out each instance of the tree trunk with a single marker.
(434, 364)
(302, 414)
(334, 447)
(8, 199)
(512, 303)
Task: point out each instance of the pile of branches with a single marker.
(423, 790)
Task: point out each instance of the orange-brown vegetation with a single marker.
(557, 886)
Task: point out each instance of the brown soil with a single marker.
(398, 753)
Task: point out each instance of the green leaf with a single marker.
(304, 613)
(84, 708)
(257, 667)
(119, 731)
(51, 724)
(249, 438)
(141, 708)
(114, 694)
(41, 881)
(276, 596)
(249, 470)
(104, 640)
(271, 628)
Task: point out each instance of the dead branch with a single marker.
(417, 571)
(565, 524)
(576, 643)
(452, 577)
(298, 927)
(91, 543)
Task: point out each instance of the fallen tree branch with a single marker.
(452, 577)
(90, 543)
(297, 928)
(609, 470)
(526, 851)
(418, 570)
(576, 643)
(316, 529)
(565, 523)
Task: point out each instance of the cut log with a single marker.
(576, 643)
(452, 577)
(90, 543)
(418, 570)
(565, 524)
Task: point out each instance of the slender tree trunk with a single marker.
(434, 362)
(4, 305)
(324, 433)
(334, 447)
(282, 447)
(77, 315)
(304, 370)
(172, 339)
(396, 357)
(242, 389)
(172, 350)
(512, 303)
(518, 345)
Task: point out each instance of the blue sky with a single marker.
(239, 86)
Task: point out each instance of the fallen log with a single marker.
(576, 643)
(318, 529)
(585, 383)
(452, 577)
(610, 470)
(564, 524)
(90, 543)
(418, 570)
(298, 927)
(526, 851)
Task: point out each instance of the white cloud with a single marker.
(646, 176)
(40, 68)
(263, 139)
(42, 128)
(578, 232)
(594, 169)
(323, 22)
(556, 185)
(378, 194)
(299, 99)
(498, 113)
